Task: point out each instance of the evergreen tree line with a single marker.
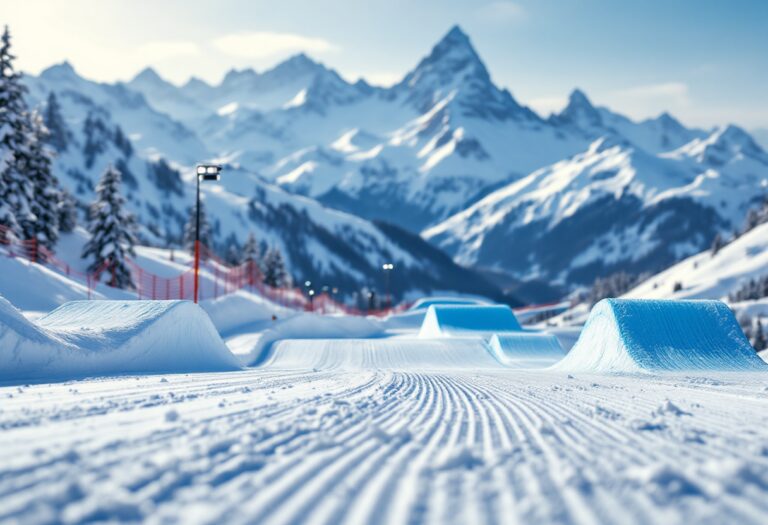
(614, 285)
(755, 217)
(33, 206)
(269, 260)
(752, 290)
(753, 329)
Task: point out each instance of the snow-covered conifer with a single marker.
(67, 209)
(59, 135)
(273, 266)
(45, 187)
(758, 337)
(15, 188)
(251, 252)
(111, 228)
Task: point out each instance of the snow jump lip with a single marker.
(462, 320)
(526, 349)
(636, 335)
(393, 354)
(87, 338)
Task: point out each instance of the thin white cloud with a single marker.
(166, 50)
(266, 44)
(648, 99)
(672, 91)
(502, 11)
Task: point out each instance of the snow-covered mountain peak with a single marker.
(736, 139)
(609, 142)
(724, 145)
(148, 75)
(579, 112)
(63, 71)
(669, 122)
(297, 65)
(454, 65)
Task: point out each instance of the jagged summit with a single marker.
(148, 74)
(579, 112)
(454, 69)
(62, 69)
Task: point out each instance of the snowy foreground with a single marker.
(387, 446)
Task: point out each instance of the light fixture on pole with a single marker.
(206, 172)
(388, 267)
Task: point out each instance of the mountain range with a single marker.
(445, 154)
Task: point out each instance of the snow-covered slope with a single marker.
(434, 142)
(320, 244)
(614, 206)
(150, 131)
(656, 135)
(430, 147)
(708, 276)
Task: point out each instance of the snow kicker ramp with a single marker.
(464, 320)
(395, 353)
(86, 338)
(526, 349)
(626, 335)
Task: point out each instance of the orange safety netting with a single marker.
(216, 279)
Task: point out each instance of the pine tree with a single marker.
(45, 187)
(15, 187)
(111, 228)
(758, 339)
(275, 274)
(59, 135)
(97, 136)
(67, 210)
(206, 233)
(717, 244)
(251, 252)
(233, 255)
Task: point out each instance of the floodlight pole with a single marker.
(197, 237)
(388, 267)
(204, 172)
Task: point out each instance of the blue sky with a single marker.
(705, 61)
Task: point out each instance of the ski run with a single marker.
(386, 446)
(422, 417)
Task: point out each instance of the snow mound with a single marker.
(376, 354)
(85, 338)
(634, 335)
(259, 346)
(459, 320)
(426, 302)
(526, 349)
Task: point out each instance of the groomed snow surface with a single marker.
(88, 338)
(345, 420)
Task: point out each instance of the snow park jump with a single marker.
(467, 320)
(526, 349)
(84, 338)
(626, 335)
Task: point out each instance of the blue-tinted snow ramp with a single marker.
(526, 349)
(468, 320)
(633, 335)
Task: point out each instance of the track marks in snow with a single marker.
(377, 446)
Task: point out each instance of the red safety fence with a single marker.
(216, 279)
